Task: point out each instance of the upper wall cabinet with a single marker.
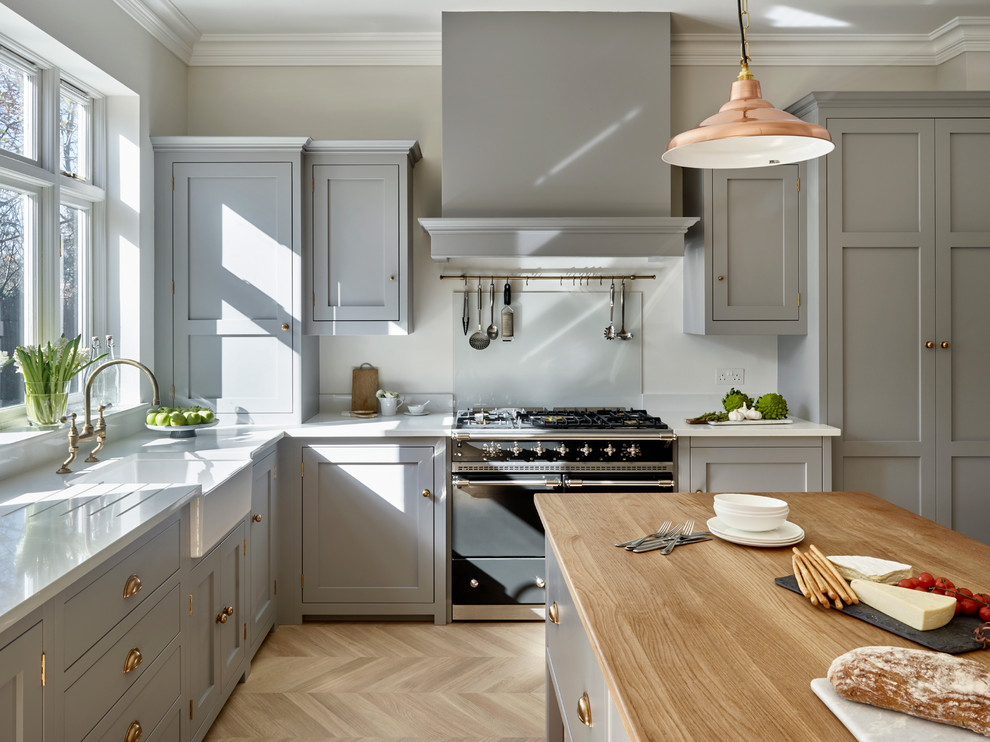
(743, 263)
(228, 247)
(358, 215)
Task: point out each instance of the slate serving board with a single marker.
(955, 637)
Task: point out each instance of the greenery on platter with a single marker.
(772, 405)
(734, 399)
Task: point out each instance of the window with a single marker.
(50, 205)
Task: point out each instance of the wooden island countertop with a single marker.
(702, 644)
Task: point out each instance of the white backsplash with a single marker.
(559, 356)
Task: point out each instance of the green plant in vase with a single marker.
(48, 370)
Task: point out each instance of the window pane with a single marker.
(73, 132)
(72, 225)
(16, 107)
(14, 225)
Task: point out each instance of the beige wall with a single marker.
(405, 103)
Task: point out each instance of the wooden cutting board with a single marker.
(364, 387)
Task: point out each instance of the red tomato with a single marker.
(958, 608)
(922, 589)
(943, 584)
(982, 598)
(968, 607)
(906, 582)
(926, 580)
(965, 591)
(985, 613)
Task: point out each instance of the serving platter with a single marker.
(782, 421)
(182, 431)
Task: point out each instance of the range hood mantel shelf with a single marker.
(578, 237)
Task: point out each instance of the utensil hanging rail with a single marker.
(583, 277)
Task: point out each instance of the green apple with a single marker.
(150, 419)
(161, 419)
(177, 419)
(193, 418)
(207, 416)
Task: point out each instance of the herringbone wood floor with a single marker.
(391, 682)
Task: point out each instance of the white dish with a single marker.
(871, 724)
(786, 535)
(416, 414)
(784, 421)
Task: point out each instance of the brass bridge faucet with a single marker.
(100, 431)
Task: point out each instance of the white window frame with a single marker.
(42, 177)
(11, 56)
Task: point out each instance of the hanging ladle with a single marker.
(610, 330)
(479, 340)
(623, 333)
(492, 328)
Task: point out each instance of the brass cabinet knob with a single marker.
(930, 344)
(391, 278)
(132, 586)
(133, 660)
(221, 617)
(474, 582)
(720, 278)
(229, 610)
(426, 493)
(553, 613)
(944, 343)
(285, 326)
(257, 518)
(134, 732)
(541, 583)
(584, 710)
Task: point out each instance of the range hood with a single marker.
(553, 126)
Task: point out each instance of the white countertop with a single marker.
(798, 428)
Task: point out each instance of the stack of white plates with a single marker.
(785, 535)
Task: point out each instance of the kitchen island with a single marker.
(702, 644)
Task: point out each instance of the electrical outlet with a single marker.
(730, 376)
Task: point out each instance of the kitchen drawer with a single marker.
(498, 581)
(100, 605)
(99, 688)
(572, 662)
(146, 704)
(170, 728)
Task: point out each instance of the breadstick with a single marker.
(812, 579)
(806, 578)
(839, 584)
(797, 576)
(823, 586)
(850, 593)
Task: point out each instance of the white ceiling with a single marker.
(690, 16)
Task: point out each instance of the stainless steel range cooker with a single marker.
(501, 456)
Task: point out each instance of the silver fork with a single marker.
(661, 531)
(661, 535)
(686, 531)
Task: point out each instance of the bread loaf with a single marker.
(930, 685)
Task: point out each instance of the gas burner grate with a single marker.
(605, 418)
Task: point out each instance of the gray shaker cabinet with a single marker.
(21, 691)
(216, 630)
(743, 261)
(368, 527)
(908, 254)
(262, 552)
(358, 237)
(754, 465)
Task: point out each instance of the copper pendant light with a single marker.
(747, 131)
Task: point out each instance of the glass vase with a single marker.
(45, 404)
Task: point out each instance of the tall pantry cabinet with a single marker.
(902, 230)
(228, 263)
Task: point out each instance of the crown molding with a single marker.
(164, 21)
(317, 49)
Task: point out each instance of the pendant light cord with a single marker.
(744, 57)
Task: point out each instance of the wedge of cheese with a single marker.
(870, 568)
(919, 610)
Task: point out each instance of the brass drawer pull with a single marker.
(427, 493)
(553, 613)
(132, 587)
(223, 615)
(133, 660)
(285, 327)
(584, 710)
(134, 732)
(257, 518)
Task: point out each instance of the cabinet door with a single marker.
(356, 225)
(881, 308)
(233, 631)
(20, 688)
(232, 271)
(756, 469)
(368, 524)
(755, 271)
(962, 307)
(199, 640)
(261, 552)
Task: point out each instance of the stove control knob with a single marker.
(493, 449)
(516, 448)
(633, 450)
(609, 449)
(562, 449)
(539, 450)
(586, 449)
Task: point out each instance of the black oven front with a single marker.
(497, 554)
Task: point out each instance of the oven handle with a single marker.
(463, 482)
(619, 483)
